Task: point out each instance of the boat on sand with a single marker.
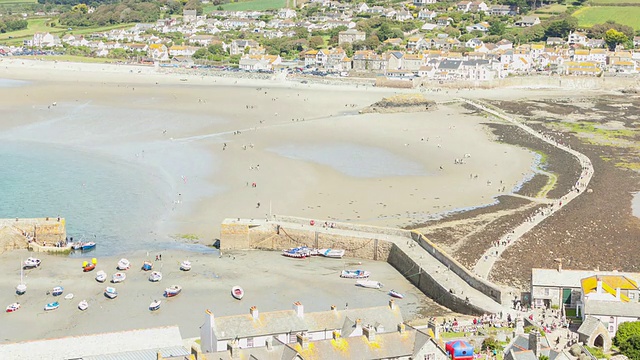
(155, 276)
(297, 252)
(354, 274)
(31, 263)
(69, 296)
(83, 305)
(185, 265)
(332, 253)
(101, 276)
(57, 291)
(111, 292)
(237, 292)
(52, 306)
(22, 287)
(124, 264)
(395, 294)
(89, 267)
(147, 265)
(155, 305)
(172, 290)
(13, 307)
(118, 277)
(369, 284)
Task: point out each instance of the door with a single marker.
(566, 296)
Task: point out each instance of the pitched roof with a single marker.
(569, 278)
(612, 308)
(589, 325)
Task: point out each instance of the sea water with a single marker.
(113, 203)
(353, 159)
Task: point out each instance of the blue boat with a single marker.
(147, 265)
(51, 306)
(57, 291)
(88, 246)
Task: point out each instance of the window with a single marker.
(292, 338)
(250, 342)
(631, 295)
(430, 356)
(546, 291)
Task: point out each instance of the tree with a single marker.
(216, 49)
(201, 53)
(194, 5)
(625, 331)
(631, 347)
(491, 344)
(614, 37)
(316, 42)
(597, 31)
(497, 28)
(561, 27)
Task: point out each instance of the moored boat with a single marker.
(147, 265)
(89, 267)
(297, 252)
(395, 294)
(332, 253)
(87, 246)
(172, 290)
(31, 263)
(124, 264)
(155, 305)
(155, 276)
(185, 265)
(69, 296)
(369, 284)
(355, 274)
(237, 292)
(13, 307)
(21, 289)
(57, 291)
(118, 277)
(83, 305)
(111, 292)
(101, 276)
(52, 306)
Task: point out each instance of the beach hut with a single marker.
(459, 350)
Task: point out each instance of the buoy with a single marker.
(84, 264)
(94, 261)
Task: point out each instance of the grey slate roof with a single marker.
(450, 64)
(589, 325)
(475, 62)
(79, 347)
(176, 352)
(281, 322)
(612, 308)
(569, 278)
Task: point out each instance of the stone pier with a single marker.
(39, 234)
(426, 266)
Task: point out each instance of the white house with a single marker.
(423, 2)
(577, 38)
(427, 15)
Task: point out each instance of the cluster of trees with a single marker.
(111, 14)
(12, 23)
(627, 339)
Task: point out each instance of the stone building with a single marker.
(350, 36)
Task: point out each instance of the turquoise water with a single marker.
(354, 160)
(113, 203)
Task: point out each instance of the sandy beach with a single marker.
(208, 139)
(271, 283)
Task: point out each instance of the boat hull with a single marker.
(237, 293)
(354, 274)
(396, 294)
(83, 305)
(89, 267)
(172, 291)
(154, 306)
(51, 306)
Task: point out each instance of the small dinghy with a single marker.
(237, 292)
(185, 265)
(89, 267)
(89, 245)
(355, 274)
(52, 306)
(31, 263)
(172, 290)
(21, 289)
(57, 291)
(118, 277)
(155, 276)
(13, 307)
(69, 296)
(332, 253)
(83, 305)
(395, 294)
(147, 265)
(101, 276)
(111, 292)
(124, 264)
(155, 305)
(297, 253)
(369, 284)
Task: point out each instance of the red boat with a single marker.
(89, 267)
(13, 307)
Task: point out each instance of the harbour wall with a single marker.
(22, 233)
(366, 242)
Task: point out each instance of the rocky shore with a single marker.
(400, 103)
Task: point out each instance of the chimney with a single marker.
(299, 309)
(599, 286)
(618, 293)
(269, 342)
(392, 304)
(559, 267)
(370, 333)
(334, 308)
(254, 312)
(534, 342)
(303, 340)
(434, 328)
(234, 351)
(401, 328)
(336, 335)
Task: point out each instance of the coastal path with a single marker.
(484, 266)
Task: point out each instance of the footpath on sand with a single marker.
(485, 264)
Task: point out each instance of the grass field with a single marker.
(243, 5)
(551, 10)
(9, 2)
(607, 2)
(626, 15)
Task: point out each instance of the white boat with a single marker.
(52, 306)
(111, 292)
(185, 265)
(297, 252)
(395, 294)
(332, 253)
(13, 307)
(124, 264)
(369, 284)
(22, 287)
(118, 277)
(172, 290)
(31, 263)
(101, 276)
(57, 291)
(155, 305)
(69, 296)
(237, 292)
(155, 276)
(355, 274)
(83, 305)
